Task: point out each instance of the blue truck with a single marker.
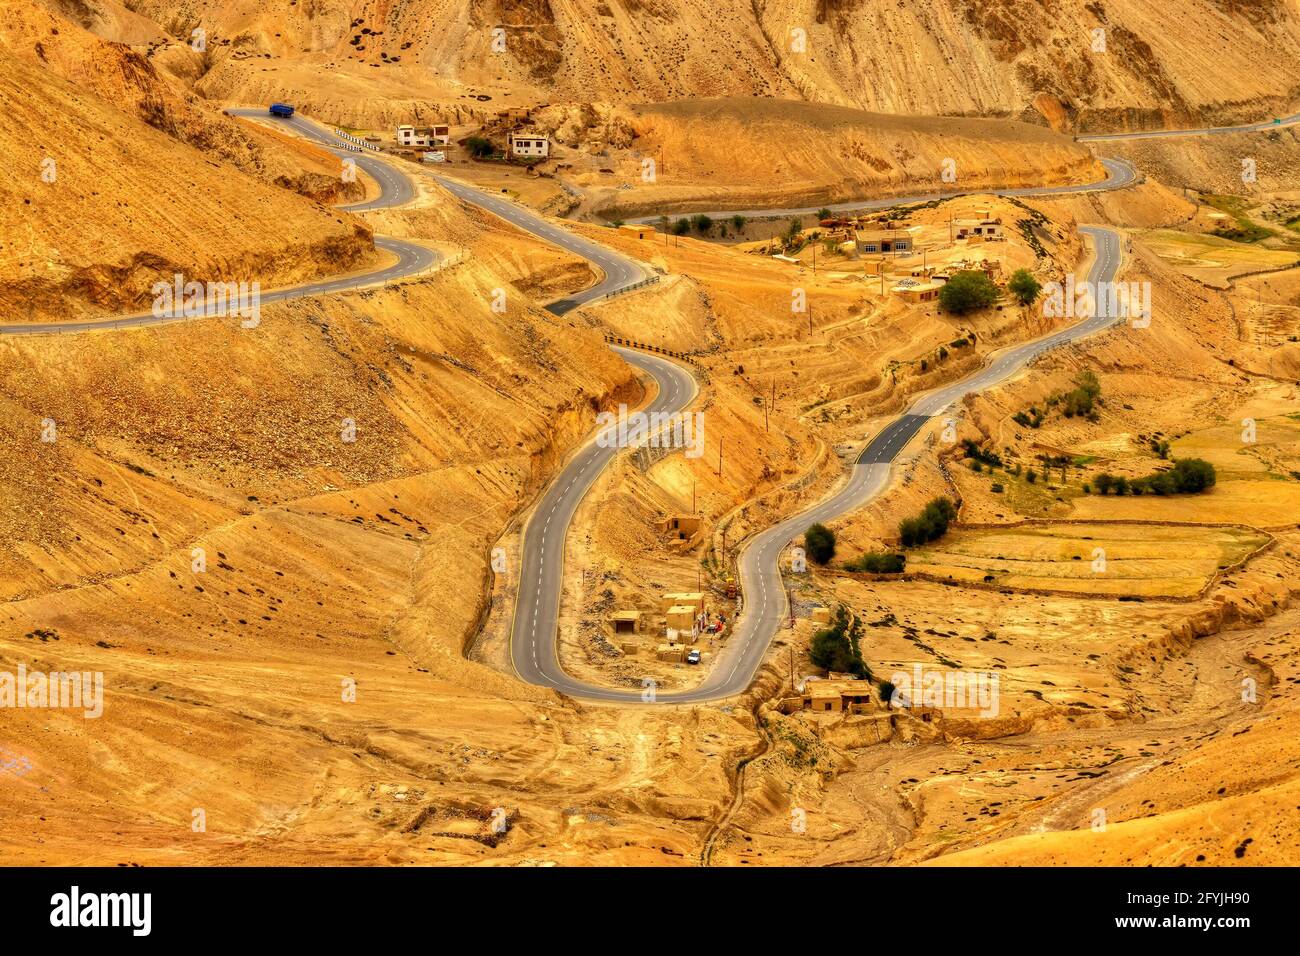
(281, 109)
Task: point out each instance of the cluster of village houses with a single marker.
(686, 619)
(529, 144)
(686, 615)
(883, 239)
(888, 250)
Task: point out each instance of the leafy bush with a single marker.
(819, 542)
(1193, 475)
(1080, 401)
(930, 524)
(681, 227)
(973, 449)
(1032, 419)
(1189, 476)
(967, 290)
(878, 562)
(701, 222)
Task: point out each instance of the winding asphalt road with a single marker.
(1119, 174)
(620, 272)
(395, 189)
(534, 628)
(534, 634)
(537, 604)
(533, 638)
(1203, 131)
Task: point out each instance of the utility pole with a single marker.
(773, 394)
(694, 509)
(719, 457)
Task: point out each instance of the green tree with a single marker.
(967, 290)
(838, 647)
(819, 542)
(1191, 475)
(479, 146)
(1024, 286)
(930, 524)
(701, 222)
(738, 222)
(886, 691)
(681, 226)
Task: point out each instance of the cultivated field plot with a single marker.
(1274, 448)
(1114, 559)
(1258, 481)
(1266, 503)
(1213, 260)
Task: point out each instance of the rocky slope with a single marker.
(101, 206)
(1211, 59)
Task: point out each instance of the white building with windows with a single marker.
(437, 135)
(530, 145)
(984, 227)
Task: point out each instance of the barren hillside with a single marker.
(1208, 59)
(102, 205)
(761, 153)
(123, 76)
(292, 550)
